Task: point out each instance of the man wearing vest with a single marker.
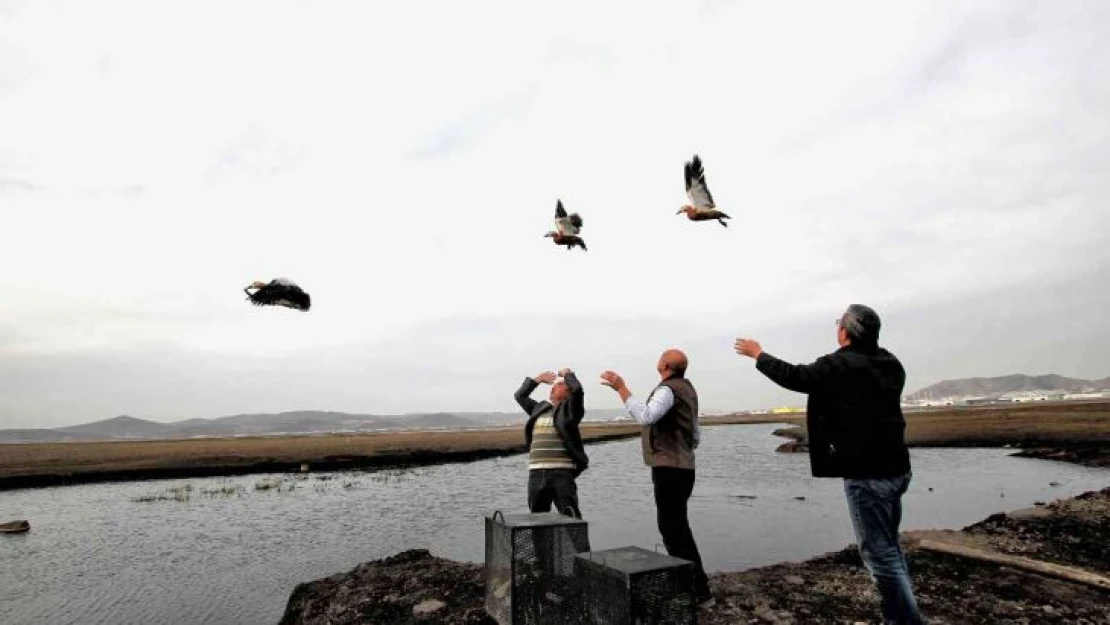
(856, 432)
(669, 436)
(556, 455)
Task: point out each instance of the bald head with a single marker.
(672, 364)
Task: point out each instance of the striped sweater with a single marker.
(548, 450)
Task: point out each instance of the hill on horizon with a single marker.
(1000, 385)
(126, 427)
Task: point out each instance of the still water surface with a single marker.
(96, 555)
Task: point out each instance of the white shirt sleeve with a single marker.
(697, 432)
(661, 401)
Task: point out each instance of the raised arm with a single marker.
(798, 378)
(577, 395)
(522, 394)
(644, 414)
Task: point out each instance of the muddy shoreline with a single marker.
(1090, 453)
(33, 465)
(1070, 431)
(390, 460)
(1076, 432)
(416, 587)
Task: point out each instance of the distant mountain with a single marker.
(517, 418)
(270, 424)
(296, 422)
(441, 420)
(119, 427)
(990, 387)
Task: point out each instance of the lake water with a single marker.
(96, 554)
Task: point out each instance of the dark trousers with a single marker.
(673, 488)
(553, 486)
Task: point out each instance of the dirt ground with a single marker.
(833, 588)
(391, 591)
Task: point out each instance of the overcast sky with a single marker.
(944, 163)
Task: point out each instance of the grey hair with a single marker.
(861, 323)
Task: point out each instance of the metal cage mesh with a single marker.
(633, 585)
(529, 568)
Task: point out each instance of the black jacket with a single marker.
(854, 413)
(567, 416)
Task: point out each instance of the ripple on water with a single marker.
(96, 555)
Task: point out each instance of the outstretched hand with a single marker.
(613, 380)
(748, 347)
(547, 377)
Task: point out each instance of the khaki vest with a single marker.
(669, 442)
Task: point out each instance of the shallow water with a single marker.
(96, 555)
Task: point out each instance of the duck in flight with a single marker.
(567, 228)
(278, 292)
(702, 207)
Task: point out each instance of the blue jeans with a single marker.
(875, 506)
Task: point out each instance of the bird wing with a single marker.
(566, 224)
(281, 292)
(696, 188)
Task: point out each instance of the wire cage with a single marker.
(529, 571)
(633, 585)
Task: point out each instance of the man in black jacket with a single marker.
(856, 432)
(556, 455)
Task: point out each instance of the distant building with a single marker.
(785, 410)
(985, 401)
(1095, 395)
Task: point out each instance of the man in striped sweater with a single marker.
(556, 455)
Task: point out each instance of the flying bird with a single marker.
(702, 207)
(278, 292)
(567, 228)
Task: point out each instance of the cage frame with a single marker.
(597, 569)
(532, 596)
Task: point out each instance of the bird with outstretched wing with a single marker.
(701, 207)
(567, 228)
(278, 292)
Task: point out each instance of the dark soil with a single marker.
(1068, 531)
(1088, 453)
(390, 591)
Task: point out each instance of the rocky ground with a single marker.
(410, 587)
(416, 587)
(1091, 454)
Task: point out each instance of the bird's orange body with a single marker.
(694, 214)
(569, 240)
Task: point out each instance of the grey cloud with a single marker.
(979, 32)
(474, 363)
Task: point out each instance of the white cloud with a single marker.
(402, 162)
